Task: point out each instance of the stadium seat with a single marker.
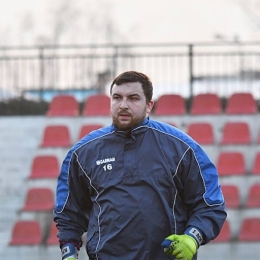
(225, 234)
(256, 164)
(26, 232)
(241, 103)
(86, 129)
(231, 163)
(169, 104)
(44, 166)
(231, 195)
(56, 136)
(236, 133)
(52, 236)
(63, 105)
(205, 104)
(39, 199)
(249, 231)
(253, 199)
(201, 132)
(97, 105)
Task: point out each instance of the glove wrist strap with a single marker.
(69, 251)
(196, 234)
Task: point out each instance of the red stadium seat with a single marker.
(169, 104)
(231, 163)
(39, 199)
(256, 164)
(86, 129)
(56, 136)
(63, 105)
(249, 231)
(97, 105)
(201, 132)
(44, 166)
(26, 232)
(52, 237)
(236, 133)
(231, 195)
(253, 199)
(225, 234)
(206, 104)
(241, 103)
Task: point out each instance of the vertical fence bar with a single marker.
(41, 71)
(115, 57)
(191, 76)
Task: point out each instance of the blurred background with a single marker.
(57, 61)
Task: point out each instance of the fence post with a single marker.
(115, 56)
(41, 70)
(191, 77)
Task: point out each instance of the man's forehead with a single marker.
(128, 88)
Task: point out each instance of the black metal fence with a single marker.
(186, 69)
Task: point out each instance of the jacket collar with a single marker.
(142, 127)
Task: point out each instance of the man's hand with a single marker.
(69, 252)
(180, 246)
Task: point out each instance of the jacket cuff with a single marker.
(196, 234)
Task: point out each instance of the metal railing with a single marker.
(185, 69)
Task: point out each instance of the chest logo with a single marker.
(107, 160)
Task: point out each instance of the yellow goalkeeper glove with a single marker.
(183, 247)
(180, 246)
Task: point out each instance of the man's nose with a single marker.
(124, 103)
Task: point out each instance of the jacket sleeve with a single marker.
(73, 203)
(199, 189)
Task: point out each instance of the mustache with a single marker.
(124, 112)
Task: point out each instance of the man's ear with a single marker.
(150, 106)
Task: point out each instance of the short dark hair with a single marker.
(134, 76)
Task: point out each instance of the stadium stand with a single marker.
(249, 231)
(56, 136)
(206, 104)
(236, 133)
(256, 164)
(39, 199)
(44, 166)
(225, 233)
(169, 104)
(231, 163)
(86, 129)
(253, 199)
(241, 103)
(231, 195)
(26, 232)
(201, 132)
(240, 198)
(63, 105)
(97, 105)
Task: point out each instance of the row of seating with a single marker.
(228, 163)
(29, 232)
(39, 199)
(203, 133)
(167, 104)
(249, 231)
(233, 198)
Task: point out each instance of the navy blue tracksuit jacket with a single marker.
(130, 190)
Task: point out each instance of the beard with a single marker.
(129, 125)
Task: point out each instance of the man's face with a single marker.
(128, 105)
